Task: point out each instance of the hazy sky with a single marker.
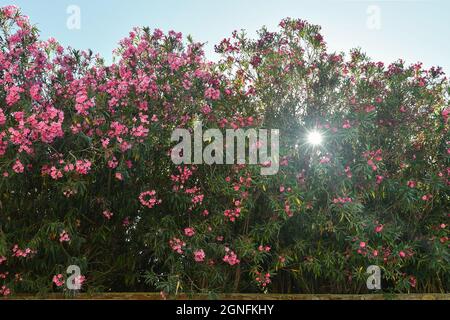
(416, 30)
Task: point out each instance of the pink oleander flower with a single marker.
(206, 109)
(151, 201)
(13, 95)
(83, 166)
(263, 279)
(177, 245)
(19, 253)
(199, 255)
(348, 172)
(107, 214)
(189, 232)
(324, 160)
(288, 211)
(412, 281)
(2, 117)
(212, 94)
(370, 108)
(379, 179)
(5, 291)
(58, 280)
(346, 124)
(342, 200)
(113, 163)
(18, 167)
(64, 236)
(230, 257)
(78, 281)
(379, 228)
(412, 184)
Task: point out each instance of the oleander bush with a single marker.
(87, 178)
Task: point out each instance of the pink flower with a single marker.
(2, 117)
(348, 172)
(189, 232)
(113, 163)
(343, 200)
(412, 281)
(362, 244)
(379, 228)
(107, 214)
(5, 291)
(13, 95)
(379, 179)
(206, 109)
(35, 92)
(78, 281)
(212, 94)
(58, 280)
(412, 184)
(324, 160)
(55, 173)
(9, 11)
(105, 142)
(402, 254)
(83, 166)
(177, 245)
(199, 255)
(284, 162)
(64, 236)
(17, 252)
(152, 201)
(126, 222)
(230, 257)
(18, 167)
(346, 125)
(370, 108)
(263, 280)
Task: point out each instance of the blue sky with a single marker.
(416, 30)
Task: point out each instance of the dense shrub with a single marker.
(87, 177)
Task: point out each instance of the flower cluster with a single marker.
(148, 199)
(263, 280)
(177, 245)
(230, 257)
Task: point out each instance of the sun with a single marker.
(314, 138)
